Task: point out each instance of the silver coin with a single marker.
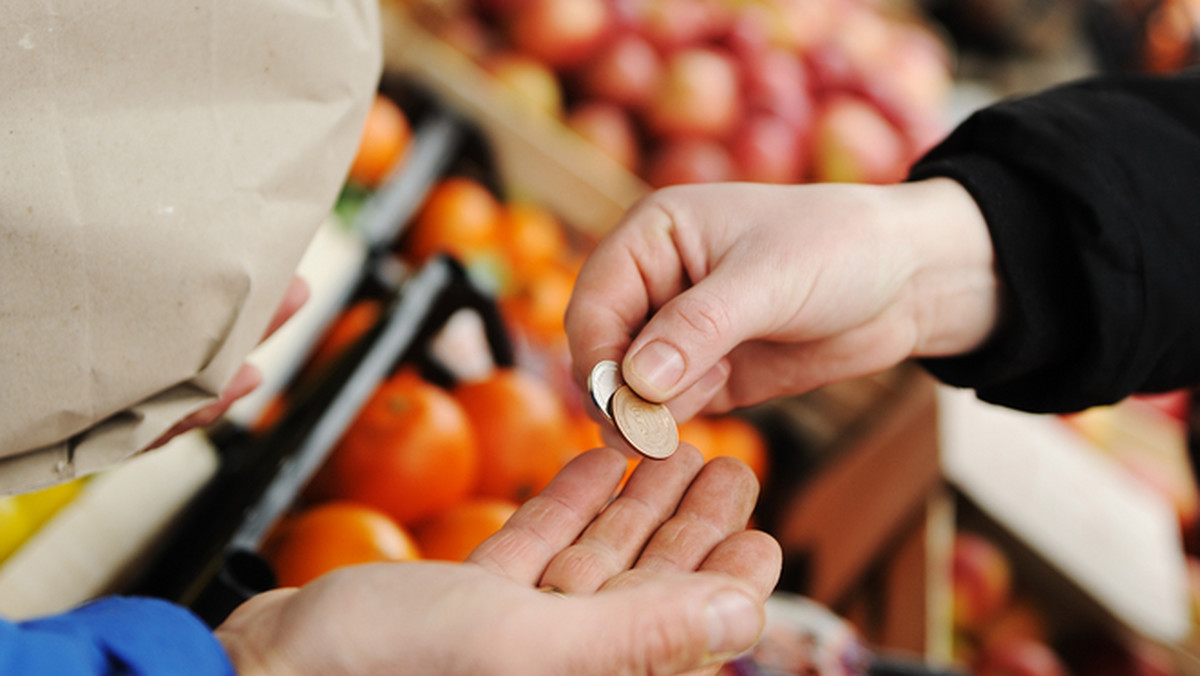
(603, 381)
(648, 427)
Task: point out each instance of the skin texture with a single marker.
(662, 579)
(719, 296)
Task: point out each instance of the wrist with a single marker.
(954, 288)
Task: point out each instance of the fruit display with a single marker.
(437, 458)
(1146, 435)
(1004, 627)
(684, 91)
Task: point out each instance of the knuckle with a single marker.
(708, 315)
(665, 643)
(579, 567)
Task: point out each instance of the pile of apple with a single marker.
(1002, 629)
(682, 91)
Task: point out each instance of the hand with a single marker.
(719, 296)
(663, 579)
(247, 377)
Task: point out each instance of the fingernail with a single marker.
(659, 365)
(733, 623)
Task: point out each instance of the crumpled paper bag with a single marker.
(163, 166)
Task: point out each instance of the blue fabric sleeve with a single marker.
(114, 635)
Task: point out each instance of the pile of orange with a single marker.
(438, 470)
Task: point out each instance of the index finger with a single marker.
(633, 271)
(553, 519)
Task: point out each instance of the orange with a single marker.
(385, 138)
(460, 217)
(586, 433)
(349, 326)
(410, 453)
(698, 432)
(531, 236)
(538, 304)
(739, 438)
(456, 532)
(523, 431)
(332, 535)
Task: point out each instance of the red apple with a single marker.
(700, 95)
(777, 82)
(1019, 657)
(800, 25)
(766, 149)
(467, 34)
(530, 79)
(610, 128)
(626, 71)
(627, 13)
(675, 24)
(853, 142)
(857, 45)
(913, 90)
(749, 32)
(689, 161)
(563, 33)
(832, 69)
(981, 580)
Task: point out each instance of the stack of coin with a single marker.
(648, 427)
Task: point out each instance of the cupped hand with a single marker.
(662, 579)
(719, 296)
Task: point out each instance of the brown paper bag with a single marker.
(163, 166)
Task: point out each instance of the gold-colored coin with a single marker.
(648, 427)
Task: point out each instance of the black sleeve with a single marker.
(1091, 192)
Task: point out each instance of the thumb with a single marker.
(687, 337)
(665, 626)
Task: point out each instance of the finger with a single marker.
(751, 556)
(698, 397)
(631, 271)
(669, 625)
(551, 520)
(693, 331)
(718, 504)
(761, 370)
(293, 297)
(614, 539)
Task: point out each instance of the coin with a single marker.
(648, 427)
(603, 381)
